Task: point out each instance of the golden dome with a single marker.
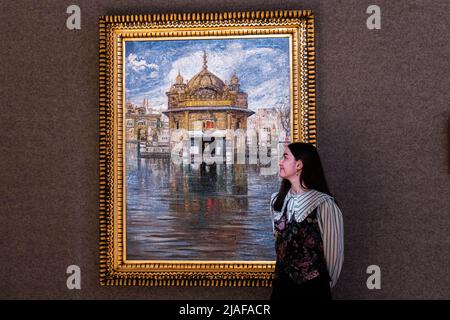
(205, 80)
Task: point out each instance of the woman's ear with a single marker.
(299, 165)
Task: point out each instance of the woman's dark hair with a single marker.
(312, 175)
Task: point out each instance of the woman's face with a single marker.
(288, 165)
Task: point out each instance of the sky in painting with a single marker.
(261, 64)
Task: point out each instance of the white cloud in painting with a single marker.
(141, 72)
(267, 94)
(139, 64)
(224, 63)
(262, 89)
(156, 97)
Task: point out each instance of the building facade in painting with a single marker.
(206, 109)
(265, 129)
(149, 128)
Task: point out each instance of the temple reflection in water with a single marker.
(177, 212)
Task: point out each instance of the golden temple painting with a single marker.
(205, 123)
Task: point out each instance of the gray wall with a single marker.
(382, 129)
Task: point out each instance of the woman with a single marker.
(308, 228)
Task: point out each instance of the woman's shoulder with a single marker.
(309, 195)
(311, 198)
(318, 194)
(326, 202)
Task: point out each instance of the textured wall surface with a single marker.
(383, 98)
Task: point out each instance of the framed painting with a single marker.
(195, 110)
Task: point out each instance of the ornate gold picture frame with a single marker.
(147, 92)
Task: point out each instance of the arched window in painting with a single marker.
(208, 124)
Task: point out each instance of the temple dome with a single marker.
(205, 80)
